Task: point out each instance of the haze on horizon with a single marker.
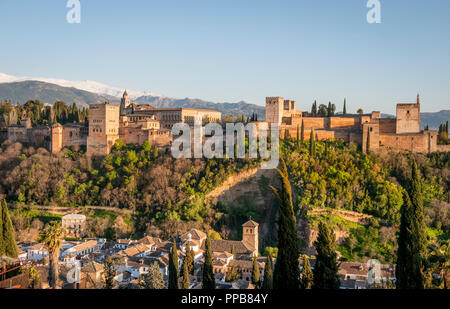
(240, 50)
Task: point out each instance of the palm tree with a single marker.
(51, 237)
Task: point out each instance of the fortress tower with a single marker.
(250, 234)
(103, 128)
(408, 117)
(274, 110)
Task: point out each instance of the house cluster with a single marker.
(133, 258)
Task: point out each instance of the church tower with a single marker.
(124, 102)
(250, 234)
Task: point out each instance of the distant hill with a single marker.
(48, 93)
(234, 109)
(434, 119)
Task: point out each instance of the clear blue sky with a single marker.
(227, 51)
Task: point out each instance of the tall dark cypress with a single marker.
(287, 272)
(173, 267)
(268, 274)
(312, 146)
(303, 131)
(298, 137)
(345, 107)
(368, 141)
(255, 273)
(8, 242)
(2, 246)
(186, 283)
(326, 268)
(412, 243)
(209, 282)
(307, 277)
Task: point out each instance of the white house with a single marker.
(37, 252)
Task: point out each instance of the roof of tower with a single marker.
(125, 93)
(250, 223)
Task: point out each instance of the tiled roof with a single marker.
(84, 245)
(250, 223)
(135, 250)
(350, 268)
(227, 246)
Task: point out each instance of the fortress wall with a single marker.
(387, 125)
(443, 148)
(340, 122)
(315, 122)
(410, 142)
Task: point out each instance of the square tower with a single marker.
(103, 128)
(250, 234)
(274, 110)
(408, 118)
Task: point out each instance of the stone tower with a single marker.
(125, 101)
(250, 234)
(408, 117)
(103, 128)
(56, 138)
(274, 110)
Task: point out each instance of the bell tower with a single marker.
(250, 234)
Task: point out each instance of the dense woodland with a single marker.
(157, 188)
(41, 115)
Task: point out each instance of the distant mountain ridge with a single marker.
(48, 93)
(23, 91)
(234, 109)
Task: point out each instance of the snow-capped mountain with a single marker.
(91, 86)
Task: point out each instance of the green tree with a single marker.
(209, 282)
(51, 237)
(286, 273)
(345, 107)
(255, 272)
(303, 131)
(189, 260)
(186, 282)
(412, 243)
(314, 109)
(173, 267)
(326, 268)
(298, 137)
(312, 144)
(109, 273)
(8, 244)
(307, 277)
(268, 274)
(153, 280)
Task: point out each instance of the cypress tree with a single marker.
(303, 131)
(412, 242)
(326, 269)
(268, 274)
(255, 273)
(345, 107)
(286, 273)
(209, 282)
(8, 239)
(173, 268)
(298, 137)
(2, 246)
(368, 141)
(307, 277)
(186, 282)
(312, 146)
(314, 109)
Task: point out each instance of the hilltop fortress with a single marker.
(369, 130)
(135, 124)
